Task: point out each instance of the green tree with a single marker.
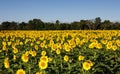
(36, 24)
(106, 25)
(5, 25)
(97, 23)
(57, 25)
(116, 26)
(22, 26)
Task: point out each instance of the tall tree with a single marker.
(36, 24)
(13, 26)
(57, 25)
(22, 26)
(5, 25)
(106, 25)
(97, 23)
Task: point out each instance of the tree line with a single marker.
(38, 24)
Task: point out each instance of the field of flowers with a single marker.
(60, 52)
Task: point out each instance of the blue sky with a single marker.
(63, 10)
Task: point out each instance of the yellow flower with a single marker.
(77, 40)
(20, 71)
(99, 45)
(14, 57)
(51, 42)
(50, 59)
(114, 47)
(24, 58)
(80, 58)
(33, 53)
(86, 66)
(58, 51)
(37, 42)
(58, 46)
(44, 58)
(92, 45)
(4, 48)
(43, 65)
(4, 43)
(31, 44)
(66, 58)
(0, 50)
(38, 73)
(9, 43)
(89, 61)
(67, 47)
(53, 47)
(118, 42)
(42, 45)
(43, 53)
(27, 53)
(21, 43)
(109, 46)
(15, 50)
(6, 63)
(36, 47)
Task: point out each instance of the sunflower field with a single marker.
(60, 52)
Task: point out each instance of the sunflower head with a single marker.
(43, 65)
(66, 58)
(24, 58)
(80, 58)
(6, 63)
(44, 58)
(43, 53)
(20, 71)
(86, 66)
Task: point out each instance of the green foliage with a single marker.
(37, 24)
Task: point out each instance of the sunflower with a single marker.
(4, 43)
(36, 47)
(15, 50)
(58, 51)
(43, 65)
(0, 50)
(21, 43)
(33, 53)
(67, 47)
(80, 58)
(44, 58)
(99, 45)
(24, 58)
(9, 43)
(43, 53)
(92, 45)
(114, 47)
(77, 40)
(38, 73)
(50, 59)
(118, 42)
(89, 61)
(37, 42)
(42, 45)
(109, 46)
(20, 71)
(86, 66)
(53, 47)
(6, 63)
(66, 58)
(14, 57)
(31, 44)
